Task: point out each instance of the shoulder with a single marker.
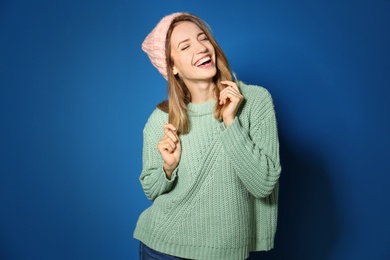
(253, 92)
(156, 120)
(158, 114)
(258, 100)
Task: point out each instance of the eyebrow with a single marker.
(178, 45)
(186, 40)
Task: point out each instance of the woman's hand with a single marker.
(170, 149)
(231, 98)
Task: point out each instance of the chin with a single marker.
(210, 74)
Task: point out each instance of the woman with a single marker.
(213, 178)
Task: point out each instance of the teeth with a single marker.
(203, 60)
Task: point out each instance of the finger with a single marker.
(166, 146)
(171, 138)
(169, 127)
(227, 82)
(231, 90)
(172, 135)
(223, 97)
(229, 94)
(230, 83)
(170, 146)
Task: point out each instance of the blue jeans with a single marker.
(146, 253)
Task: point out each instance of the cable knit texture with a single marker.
(154, 43)
(221, 201)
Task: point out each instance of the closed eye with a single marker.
(203, 37)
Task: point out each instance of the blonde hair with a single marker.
(178, 94)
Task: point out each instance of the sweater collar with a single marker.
(201, 109)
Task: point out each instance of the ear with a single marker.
(174, 70)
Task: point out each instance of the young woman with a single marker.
(211, 153)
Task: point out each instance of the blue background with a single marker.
(76, 91)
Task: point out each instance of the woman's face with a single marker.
(192, 53)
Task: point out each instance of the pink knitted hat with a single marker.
(154, 43)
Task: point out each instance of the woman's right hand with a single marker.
(170, 149)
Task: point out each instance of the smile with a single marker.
(203, 61)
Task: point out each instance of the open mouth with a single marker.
(203, 61)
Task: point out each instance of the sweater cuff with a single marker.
(168, 182)
(232, 134)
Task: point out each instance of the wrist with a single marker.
(168, 170)
(228, 121)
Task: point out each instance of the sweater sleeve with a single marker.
(254, 150)
(153, 179)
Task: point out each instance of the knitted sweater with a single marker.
(221, 201)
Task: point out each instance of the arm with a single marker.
(254, 152)
(154, 180)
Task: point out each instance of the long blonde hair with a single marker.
(178, 94)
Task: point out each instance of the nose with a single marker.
(200, 47)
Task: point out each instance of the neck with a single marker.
(201, 91)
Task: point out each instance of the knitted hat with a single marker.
(154, 43)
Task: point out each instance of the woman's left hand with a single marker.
(231, 98)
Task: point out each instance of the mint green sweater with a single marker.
(221, 201)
